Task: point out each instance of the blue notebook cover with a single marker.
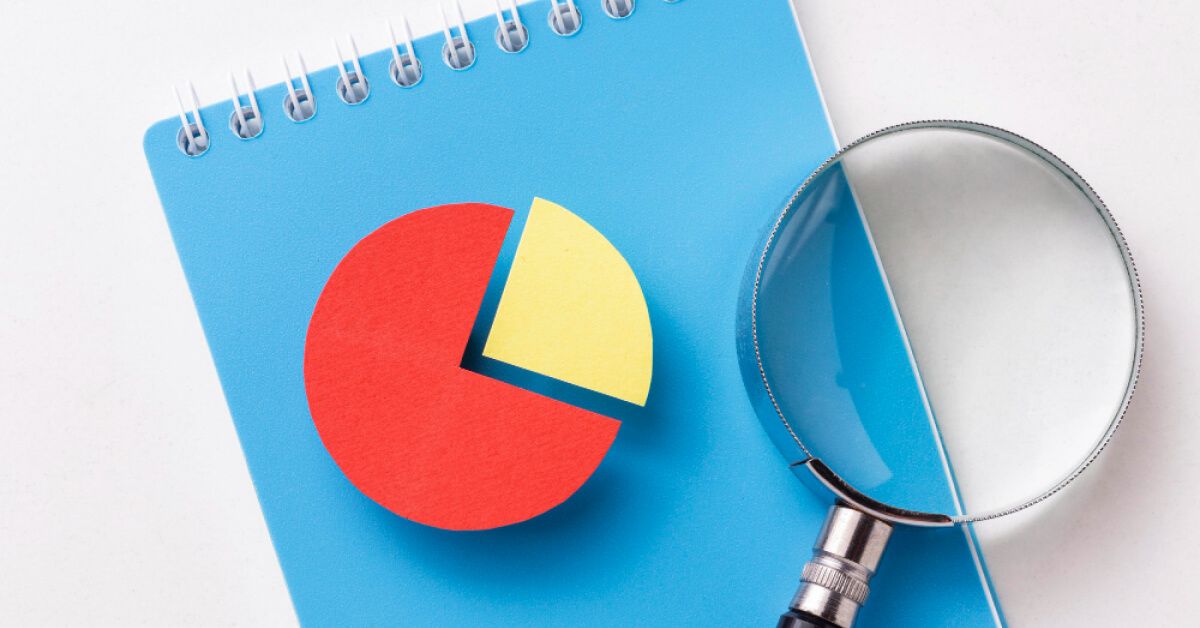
(677, 133)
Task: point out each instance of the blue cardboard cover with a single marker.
(677, 133)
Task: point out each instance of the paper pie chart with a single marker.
(451, 448)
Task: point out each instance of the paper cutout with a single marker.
(572, 309)
(421, 436)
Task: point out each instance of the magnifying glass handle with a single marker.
(834, 584)
(796, 619)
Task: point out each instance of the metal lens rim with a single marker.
(905, 516)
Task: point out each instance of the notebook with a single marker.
(676, 132)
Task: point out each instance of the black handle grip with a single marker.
(799, 619)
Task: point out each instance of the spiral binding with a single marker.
(298, 104)
(511, 34)
(458, 52)
(405, 68)
(246, 121)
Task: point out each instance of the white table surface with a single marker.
(124, 496)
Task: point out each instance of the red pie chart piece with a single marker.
(411, 429)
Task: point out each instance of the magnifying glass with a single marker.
(942, 326)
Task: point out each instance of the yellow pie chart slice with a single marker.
(573, 310)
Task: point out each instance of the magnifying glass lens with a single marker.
(947, 318)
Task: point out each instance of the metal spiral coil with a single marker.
(246, 121)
